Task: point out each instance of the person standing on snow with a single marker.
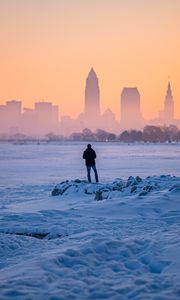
(89, 155)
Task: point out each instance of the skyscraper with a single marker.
(169, 105)
(92, 97)
(131, 117)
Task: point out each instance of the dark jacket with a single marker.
(89, 155)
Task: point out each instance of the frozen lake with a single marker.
(52, 163)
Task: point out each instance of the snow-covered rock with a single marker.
(130, 187)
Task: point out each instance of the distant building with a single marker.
(167, 115)
(169, 105)
(55, 118)
(43, 119)
(47, 117)
(14, 107)
(10, 115)
(108, 121)
(92, 99)
(3, 119)
(28, 122)
(131, 117)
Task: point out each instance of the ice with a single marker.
(71, 246)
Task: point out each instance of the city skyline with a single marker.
(103, 109)
(87, 95)
(48, 46)
(44, 118)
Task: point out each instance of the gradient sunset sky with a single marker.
(48, 47)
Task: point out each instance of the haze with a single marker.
(48, 47)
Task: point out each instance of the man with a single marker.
(89, 155)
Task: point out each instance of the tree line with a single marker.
(150, 133)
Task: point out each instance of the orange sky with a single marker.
(48, 46)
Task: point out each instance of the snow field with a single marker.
(71, 246)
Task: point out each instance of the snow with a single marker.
(71, 246)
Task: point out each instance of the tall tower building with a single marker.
(92, 97)
(131, 117)
(169, 105)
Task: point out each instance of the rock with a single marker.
(128, 183)
(148, 188)
(98, 196)
(117, 188)
(59, 191)
(163, 176)
(139, 179)
(77, 180)
(133, 189)
(56, 192)
(131, 181)
(143, 193)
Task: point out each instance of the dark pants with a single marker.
(89, 173)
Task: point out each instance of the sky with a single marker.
(48, 47)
